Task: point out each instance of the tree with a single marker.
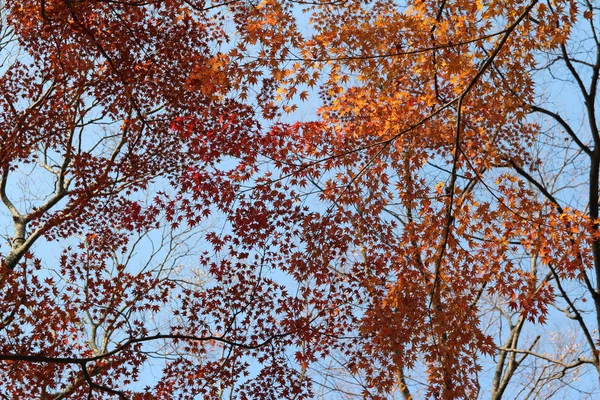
(380, 245)
(451, 178)
(429, 113)
(121, 119)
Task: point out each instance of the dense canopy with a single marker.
(297, 200)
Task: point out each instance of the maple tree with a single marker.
(427, 129)
(166, 216)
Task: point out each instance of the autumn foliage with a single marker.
(297, 200)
